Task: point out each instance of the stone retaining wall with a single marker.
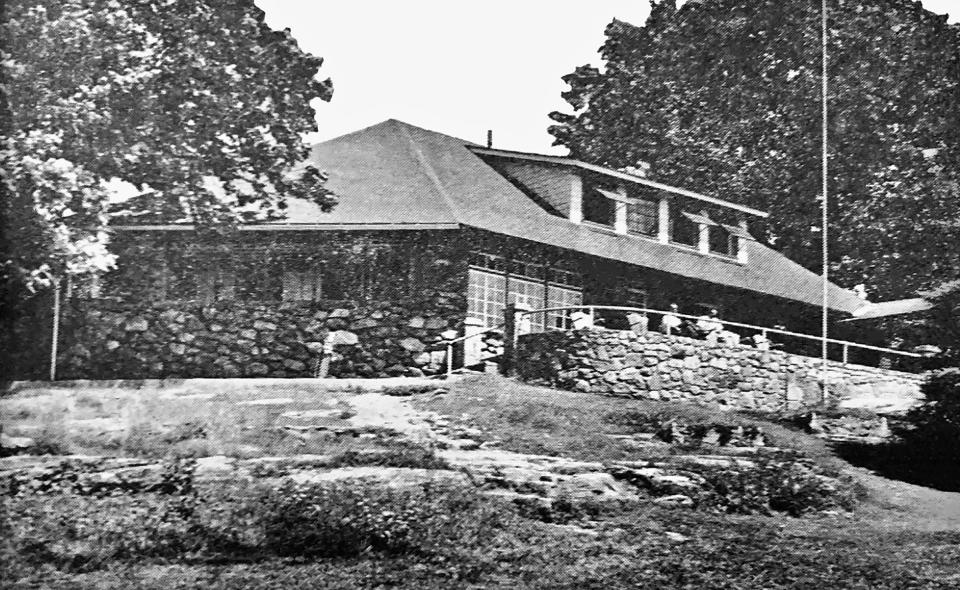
(657, 366)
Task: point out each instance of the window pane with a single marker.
(682, 230)
(642, 217)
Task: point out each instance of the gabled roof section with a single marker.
(574, 163)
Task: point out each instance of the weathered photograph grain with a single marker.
(518, 294)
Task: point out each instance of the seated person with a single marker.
(639, 322)
(761, 341)
(710, 323)
(670, 324)
(581, 319)
(729, 338)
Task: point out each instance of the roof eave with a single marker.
(297, 226)
(565, 161)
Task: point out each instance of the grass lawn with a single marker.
(901, 536)
(530, 419)
(632, 550)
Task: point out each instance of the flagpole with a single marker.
(823, 212)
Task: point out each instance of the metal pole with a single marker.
(56, 330)
(823, 213)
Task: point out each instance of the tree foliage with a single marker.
(723, 97)
(199, 105)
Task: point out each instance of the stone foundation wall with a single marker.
(657, 366)
(247, 340)
(388, 301)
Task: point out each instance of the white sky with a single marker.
(457, 67)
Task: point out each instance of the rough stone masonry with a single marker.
(660, 367)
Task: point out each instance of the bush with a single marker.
(346, 520)
(790, 487)
(409, 456)
(936, 422)
(75, 532)
(928, 449)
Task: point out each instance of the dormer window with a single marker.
(642, 217)
(683, 230)
(597, 208)
(722, 241)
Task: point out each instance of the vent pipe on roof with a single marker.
(489, 138)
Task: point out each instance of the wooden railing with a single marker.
(512, 314)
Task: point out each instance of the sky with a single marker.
(457, 67)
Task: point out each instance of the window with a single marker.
(489, 290)
(642, 217)
(561, 297)
(302, 285)
(722, 241)
(596, 207)
(486, 297)
(215, 284)
(260, 283)
(682, 229)
(634, 296)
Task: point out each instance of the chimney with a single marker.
(489, 138)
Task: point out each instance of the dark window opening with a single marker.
(596, 207)
(682, 229)
(720, 240)
(260, 283)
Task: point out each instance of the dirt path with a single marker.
(901, 505)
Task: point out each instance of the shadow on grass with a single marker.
(905, 462)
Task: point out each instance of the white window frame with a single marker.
(487, 296)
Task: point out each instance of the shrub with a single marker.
(936, 422)
(409, 456)
(349, 519)
(81, 533)
(928, 449)
(75, 532)
(768, 487)
(409, 390)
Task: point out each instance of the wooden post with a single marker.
(509, 339)
(56, 330)
(663, 220)
(703, 236)
(576, 198)
(449, 359)
(743, 255)
(620, 223)
(846, 354)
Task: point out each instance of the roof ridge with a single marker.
(427, 169)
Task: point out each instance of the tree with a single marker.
(200, 105)
(722, 96)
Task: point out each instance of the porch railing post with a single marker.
(449, 359)
(509, 339)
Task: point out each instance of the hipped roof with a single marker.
(398, 175)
